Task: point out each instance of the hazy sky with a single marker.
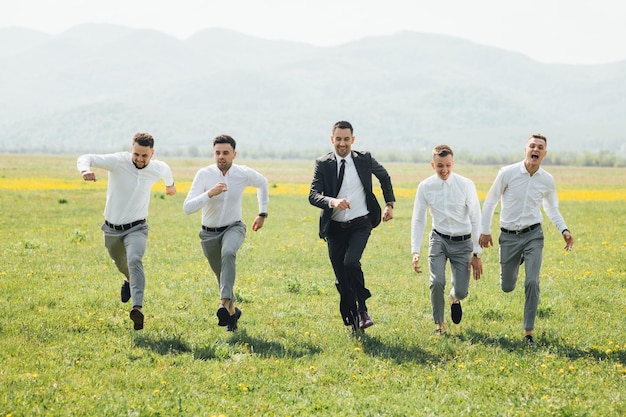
(563, 31)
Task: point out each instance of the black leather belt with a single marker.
(124, 226)
(214, 229)
(353, 221)
(453, 238)
(519, 232)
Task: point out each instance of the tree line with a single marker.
(602, 158)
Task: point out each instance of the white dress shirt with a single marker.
(522, 196)
(128, 191)
(352, 190)
(453, 205)
(224, 209)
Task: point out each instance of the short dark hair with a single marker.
(442, 151)
(144, 139)
(537, 136)
(225, 139)
(342, 124)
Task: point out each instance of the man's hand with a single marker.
(217, 189)
(569, 240)
(89, 176)
(340, 203)
(258, 223)
(485, 241)
(416, 263)
(475, 264)
(171, 190)
(388, 213)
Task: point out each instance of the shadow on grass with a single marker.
(556, 345)
(399, 353)
(560, 347)
(241, 342)
(163, 344)
(474, 337)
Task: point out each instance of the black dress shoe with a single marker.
(365, 320)
(125, 291)
(223, 316)
(530, 340)
(137, 317)
(456, 312)
(232, 323)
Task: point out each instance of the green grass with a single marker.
(67, 346)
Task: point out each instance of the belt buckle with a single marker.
(518, 232)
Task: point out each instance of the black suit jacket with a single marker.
(324, 186)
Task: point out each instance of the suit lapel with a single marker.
(332, 174)
(359, 168)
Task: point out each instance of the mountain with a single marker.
(92, 87)
(15, 40)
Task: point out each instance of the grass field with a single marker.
(67, 346)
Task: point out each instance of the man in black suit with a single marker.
(342, 188)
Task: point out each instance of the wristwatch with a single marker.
(262, 214)
(476, 255)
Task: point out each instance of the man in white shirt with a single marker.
(218, 190)
(455, 210)
(522, 189)
(131, 177)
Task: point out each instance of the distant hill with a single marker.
(92, 87)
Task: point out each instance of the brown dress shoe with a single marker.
(365, 320)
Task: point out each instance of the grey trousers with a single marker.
(440, 250)
(127, 248)
(220, 249)
(512, 248)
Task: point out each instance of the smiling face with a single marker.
(224, 155)
(535, 150)
(342, 139)
(443, 166)
(141, 155)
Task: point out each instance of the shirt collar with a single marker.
(446, 182)
(348, 158)
(523, 169)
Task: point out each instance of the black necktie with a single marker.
(342, 171)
